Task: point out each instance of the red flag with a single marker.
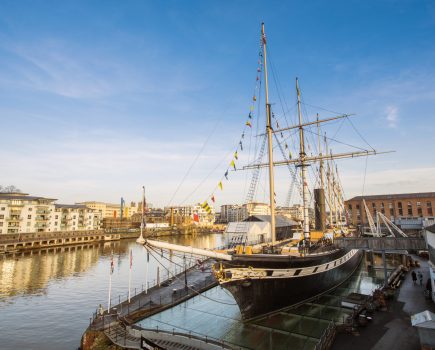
(195, 217)
(212, 198)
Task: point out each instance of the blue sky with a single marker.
(98, 98)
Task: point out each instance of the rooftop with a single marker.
(70, 206)
(280, 220)
(394, 196)
(22, 196)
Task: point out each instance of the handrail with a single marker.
(190, 335)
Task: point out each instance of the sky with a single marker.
(100, 98)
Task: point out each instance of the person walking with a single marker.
(414, 278)
(420, 277)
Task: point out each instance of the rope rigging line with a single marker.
(176, 277)
(195, 160)
(248, 124)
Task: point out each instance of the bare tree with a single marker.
(9, 189)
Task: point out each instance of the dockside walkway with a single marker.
(392, 329)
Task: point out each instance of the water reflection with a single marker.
(50, 284)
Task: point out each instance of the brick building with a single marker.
(408, 210)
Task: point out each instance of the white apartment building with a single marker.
(20, 213)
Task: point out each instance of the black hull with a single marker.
(258, 296)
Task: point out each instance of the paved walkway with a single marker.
(392, 329)
(157, 298)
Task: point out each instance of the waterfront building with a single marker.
(110, 210)
(190, 214)
(20, 212)
(230, 213)
(409, 211)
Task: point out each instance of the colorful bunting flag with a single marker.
(241, 145)
(286, 146)
(212, 198)
(254, 98)
(220, 185)
(206, 207)
(250, 115)
(248, 123)
(226, 175)
(243, 136)
(233, 164)
(236, 156)
(251, 108)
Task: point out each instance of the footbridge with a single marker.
(390, 244)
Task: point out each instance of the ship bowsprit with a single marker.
(259, 291)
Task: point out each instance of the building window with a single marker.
(56, 217)
(1, 223)
(29, 216)
(429, 208)
(350, 206)
(30, 209)
(28, 224)
(409, 209)
(55, 223)
(399, 206)
(390, 206)
(419, 209)
(2, 216)
(3, 208)
(74, 217)
(382, 208)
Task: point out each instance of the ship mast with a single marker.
(303, 166)
(269, 140)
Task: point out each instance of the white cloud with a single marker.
(392, 116)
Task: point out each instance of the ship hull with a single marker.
(264, 291)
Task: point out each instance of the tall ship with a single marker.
(273, 275)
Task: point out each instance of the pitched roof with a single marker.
(394, 196)
(280, 220)
(23, 196)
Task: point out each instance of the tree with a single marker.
(9, 189)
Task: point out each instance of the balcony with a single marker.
(14, 218)
(42, 212)
(42, 218)
(15, 212)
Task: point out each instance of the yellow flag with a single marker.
(233, 164)
(220, 185)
